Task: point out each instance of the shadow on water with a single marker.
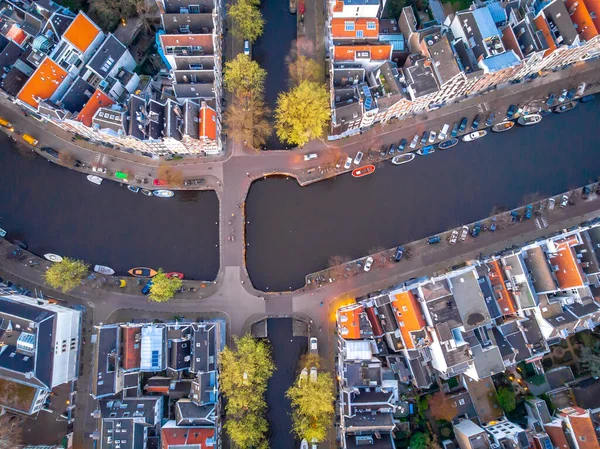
(57, 210)
(295, 230)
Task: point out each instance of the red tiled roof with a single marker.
(339, 6)
(593, 6)
(338, 28)
(409, 316)
(569, 273)
(82, 32)
(581, 16)
(131, 347)
(502, 295)
(349, 321)
(542, 25)
(557, 435)
(180, 436)
(377, 52)
(582, 426)
(16, 34)
(43, 83)
(98, 100)
(208, 122)
(375, 323)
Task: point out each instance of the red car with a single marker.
(159, 182)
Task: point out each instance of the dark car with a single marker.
(550, 100)
(402, 145)
(392, 149)
(382, 152)
(490, 119)
(399, 253)
(463, 125)
(511, 111)
(424, 138)
(528, 211)
(454, 130)
(475, 123)
(51, 151)
(433, 240)
(571, 94)
(77, 163)
(476, 230)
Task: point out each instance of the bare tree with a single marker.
(172, 175)
(66, 158)
(334, 261)
(246, 121)
(10, 431)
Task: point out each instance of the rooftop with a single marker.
(188, 6)
(174, 437)
(43, 83)
(77, 95)
(365, 53)
(502, 295)
(409, 317)
(566, 267)
(131, 336)
(559, 22)
(539, 270)
(208, 122)
(97, 100)
(353, 322)
(187, 44)
(16, 396)
(483, 395)
(188, 23)
(354, 28)
(444, 60)
(420, 79)
(109, 53)
(82, 32)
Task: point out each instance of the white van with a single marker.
(444, 132)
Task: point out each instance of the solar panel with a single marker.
(366, 91)
(368, 103)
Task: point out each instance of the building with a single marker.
(470, 436)
(579, 428)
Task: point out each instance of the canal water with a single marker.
(53, 209)
(295, 230)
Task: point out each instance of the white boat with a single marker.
(94, 179)
(474, 136)
(2, 233)
(503, 126)
(529, 119)
(163, 193)
(53, 257)
(147, 192)
(403, 158)
(133, 189)
(104, 270)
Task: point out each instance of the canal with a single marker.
(295, 230)
(53, 209)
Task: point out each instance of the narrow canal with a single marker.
(53, 209)
(295, 230)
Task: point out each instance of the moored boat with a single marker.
(2, 233)
(174, 274)
(363, 171)
(133, 189)
(503, 126)
(53, 257)
(162, 193)
(448, 144)
(142, 272)
(474, 136)
(104, 270)
(565, 107)
(529, 119)
(426, 150)
(94, 179)
(147, 192)
(403, 158)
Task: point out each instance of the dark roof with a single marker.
(348, 76)
(137, 117)
(471, 30)
(204, 389)
(463, 404)
(184, 62)
(587, 254)
(386, 317)
(58, 24)
(367, 421)
(14, 81)
(204, 90)
(179, 354)
(369, 441)
(420, 79)
(362, 373)
(175, 6)
(539, 270)
(560, 23)
(444, 62)
(505, 348)
(533, 335)
(107, 56)
(156, 118)
(193, 76)
(389, 70)
(187, 413)
(190, 23)
(173, 120)
(77, 95)
(488, 293)
(109, 119)
(420, 371)
(515, 337)
(106, 361)
(191, 112)
(131, 416)
(205, 346)
(10, 54)
(558, 377)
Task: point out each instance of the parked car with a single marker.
(424, 138)
(77, 163)
(581, 89)
(563, 96)
(564, 201)
(464, 232)
(51, 151)
(444, 132)
(571, 94)
(490, 119)
(433, 240)
(160, 182)
(399, 253)
(463, 125)
(453, 237)
(402, 145)
(313, 345)
(493, 225)
(247, 48)
(586, 191)
(511, 111)
(146, 289)
(432, 136)
(358, 157)
(528, 211)
(100, 170)
(475, 123)
(476, 230)
(551, 203)
(414, 142)
(311, 156)
(454, 130)
(368, 263)
(392, 149)
(348, 163)
(550, 100)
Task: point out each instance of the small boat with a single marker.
(104, 270)
(363, 171)
(587, 98)
(142, 272)
(133, 189)
(544, 112)
(447, 144)
(95, 179)
(174, 274)
(403, 158)
(163, 193)
(2, 233)
(565, 107)
(503, 126)
(147, 192)
(53, 257)
(474, 136)
(426, 150)
(529, 119)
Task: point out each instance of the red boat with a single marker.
(175, 274)
(363, 171)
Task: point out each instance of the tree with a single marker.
(67, 274)
(302, 113)
(248, 432)
(246, 121)
(590, 359)
(244, 76)
(248, 22)
(304, 69)
(163, 288)
(312, 406)
(172, 175)
(419, 440)
(441, 407)
(506, 399)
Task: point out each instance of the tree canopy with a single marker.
(172, 175)
(304, 69)
(419, 440)
(163, 288)
(441, 407)
(248, 22)
(246, 121)
(66, 275)
(506, 399)
(302, 113)
(243, 76)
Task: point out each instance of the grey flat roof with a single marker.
(10, 54)
(77, 95)
(175, 6)
(539, 269)
(183, 91)
(197, 23)
(194, 76)
(560, 22)
(421, 79)
(105, 365)
(469, 300)
(445, 65)
(379, 441)
(107, 56)
(14, 81)
(184, 62)
(348, 76)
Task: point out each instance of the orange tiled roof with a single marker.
(409, 316)
(593, 6)
(583, 427)
(569, 273)
(581, 16)
(378, 52)
(43, 83)
(557, 436)
(338, 28)
(339, 6)
(542, 25)
(82, 32)
(503, 296)
(208, 122)
(187, 40)
(131, 347)
(183, 436)
(98, 100)
(16, 34)
(349, 322)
